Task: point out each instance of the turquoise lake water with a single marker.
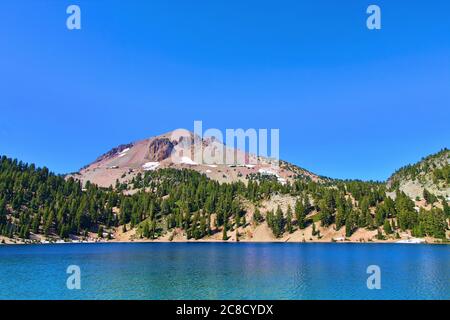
(225, 271)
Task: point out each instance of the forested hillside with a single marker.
(430, 175)
(36, 204)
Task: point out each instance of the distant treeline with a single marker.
(38, 201)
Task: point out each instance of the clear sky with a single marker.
(349, 102)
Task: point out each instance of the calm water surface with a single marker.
(225, 271)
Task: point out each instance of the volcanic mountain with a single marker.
(179, 149)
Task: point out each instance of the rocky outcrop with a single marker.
(159, 149)
(113, 152)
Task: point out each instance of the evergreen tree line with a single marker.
(34, 200)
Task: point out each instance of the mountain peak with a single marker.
(180, 149)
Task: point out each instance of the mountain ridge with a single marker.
(431, 173)
(125, 161)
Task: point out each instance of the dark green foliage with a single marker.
(257, 216)
(300, 213)
(224, 233)
(352, 223)
(431, 223)
(276, 222)
(146, 230)
(326, 213)
(442, 174)
(387, 227)
(33, 200)
(429, 197)
(446, 209)
(289, 227)
(380, 235)
(100, 232)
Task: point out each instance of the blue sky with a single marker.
(349, 102)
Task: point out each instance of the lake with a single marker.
(225, 271)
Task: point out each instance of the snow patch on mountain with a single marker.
(187, 160)
(271, 173)
(123, 152)
(150, 166)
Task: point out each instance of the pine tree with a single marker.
(300, 214)
(152, 229)
(100, 232)
(3, 212)
(278, 223)
(380, 215)
(313, 232)
(326, 215)
(351, 223)
(237, 220)
(446, 209)
(257, 216)
(48, 223)
(429, 197)
(289, 227)
(340, 218)
(224, 232)
(348, 230)
(387, 227)
(146, 230)
(379, 235)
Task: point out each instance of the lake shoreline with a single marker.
(229, 242)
